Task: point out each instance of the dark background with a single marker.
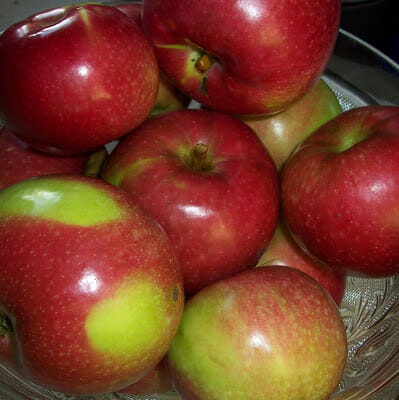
(375, 21)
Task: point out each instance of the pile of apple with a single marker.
(182, 197)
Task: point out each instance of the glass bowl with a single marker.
(359, 75)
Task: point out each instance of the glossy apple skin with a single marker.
(89, 283)
(168, 97)
(19, 162)
(157, 381)
(266, 333)
(267, 53)
(75, 78)
(340, 191)
(283, 250)
(219, 218)
(282, 132)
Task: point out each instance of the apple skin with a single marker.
(157, 381)
(283, 250)
(75, 78)
(340, 188)
(90, 284)
(19, 162)
(252, 57)
(168, 97)
(266, 333)
(219, 214)
(282, 132)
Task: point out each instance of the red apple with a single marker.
(283, 250)
(242, 57)
(157, 381)
(340, 192)
(266, 334)
(89, 284)
(168, 98)
(209, 181)
(282, 132)
(18, 162)
(75, 78)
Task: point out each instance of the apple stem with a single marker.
(198, 157)
(204, 62)
(95, 162)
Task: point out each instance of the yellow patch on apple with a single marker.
(129, 322)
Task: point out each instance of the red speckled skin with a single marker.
(342, 206)
(283, 250)
(219, 220)
(267, 334)
(168, 98)
(19, 162)
(42, 266)
(269, 52)
(75, 78)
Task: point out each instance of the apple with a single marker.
(90, 286)
(208, 180)
(157, 381)
(282, 132)
(75, 78)
(283, 250)
(19, 162)
(265, 333)
(242, 57)
(340, 192)
(168, 98)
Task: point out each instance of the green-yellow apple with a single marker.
(208, 180)
(89, 284)
(19, 162)
(76, 77)
(340, 192)
(242, 57)
(283, 250)
(282, 132)
(266, 333)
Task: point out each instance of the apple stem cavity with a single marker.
(198, 157)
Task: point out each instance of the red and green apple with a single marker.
(340, 192)
(265, 333)
(209, 181)
(283, 131)
(90, 286)
(242, 57)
